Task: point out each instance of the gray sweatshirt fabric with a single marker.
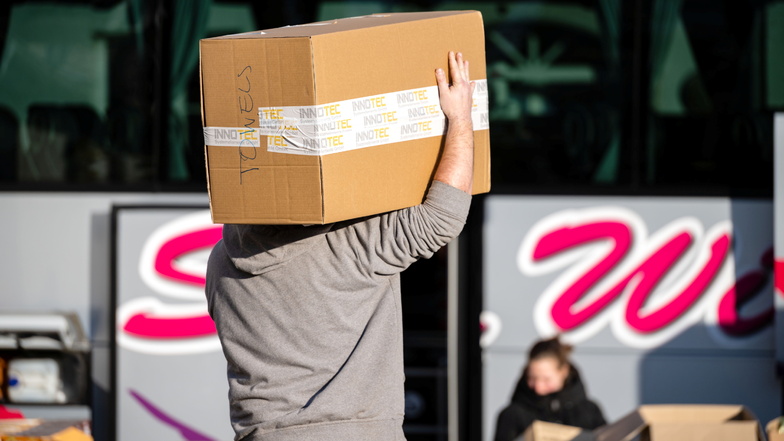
(309, 318)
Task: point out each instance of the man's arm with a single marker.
(456, 166)
(387, 244)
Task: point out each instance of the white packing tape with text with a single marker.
(351, 124)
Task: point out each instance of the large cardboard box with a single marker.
(684, 423)
(335, 120)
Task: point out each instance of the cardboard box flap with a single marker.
(734, 419)
(690, 413)
(544, 431)
(624, 429)
(696, 431)
(341, 25)
(684, 422)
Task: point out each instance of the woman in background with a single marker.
(551, 390)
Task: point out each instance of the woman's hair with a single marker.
(551, 348)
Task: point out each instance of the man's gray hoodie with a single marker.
(309, 319)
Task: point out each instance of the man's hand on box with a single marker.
(456, 167)
(456, 97)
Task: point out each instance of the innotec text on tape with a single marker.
(335, 120)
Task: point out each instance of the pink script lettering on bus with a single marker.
(150, 323)
(615, 274)
(147, 324)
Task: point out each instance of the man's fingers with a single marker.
(440, 77)
(443, 85)
(458, 71)
(460, 65)
(455, 66)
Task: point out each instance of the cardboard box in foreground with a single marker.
(681, 422)
(543, 431)
(662, 422)
(334, 120)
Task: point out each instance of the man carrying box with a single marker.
(309, 318)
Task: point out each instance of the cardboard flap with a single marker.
(681, 422)
(728, 431)
(690, 413)
(624, 429)
(544, 431)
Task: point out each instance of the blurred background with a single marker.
(655, 114)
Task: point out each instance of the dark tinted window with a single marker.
(104, 94)
(553, 71)
(78, 102)
(638, 96)
(715, 81)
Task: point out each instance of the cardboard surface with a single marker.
(684, 423)
(322, 64)
(726, 431)
(665, 422)
(544, 431)
(775, 430)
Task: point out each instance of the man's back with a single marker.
(310, 319)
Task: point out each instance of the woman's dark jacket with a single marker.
(568, 406)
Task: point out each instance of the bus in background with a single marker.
(635, 217)
(631, 212)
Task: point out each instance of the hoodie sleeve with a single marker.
(389, 243)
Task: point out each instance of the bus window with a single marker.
(553, 76)
(714, 84)
(104, 94)
(76, 100)
(553, 72)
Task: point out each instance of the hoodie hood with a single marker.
(256, 249)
